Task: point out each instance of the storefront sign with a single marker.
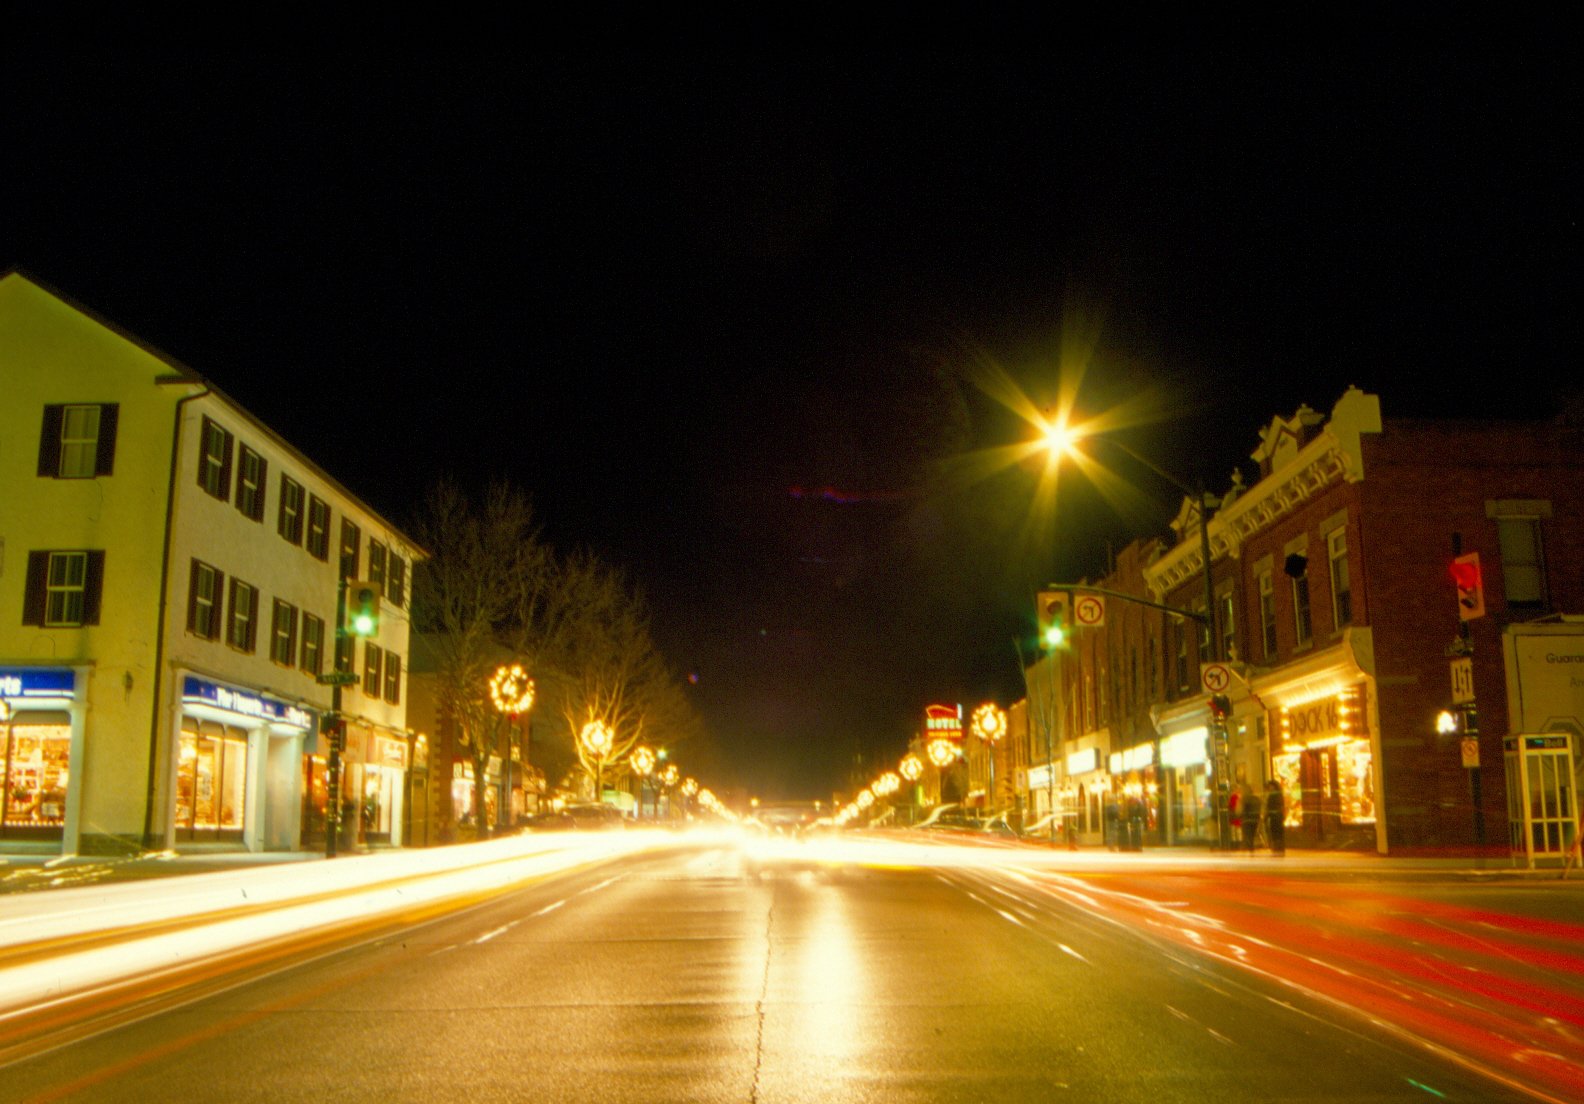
(204, 692)
(1039, 777)
(42, 682)
(943, 722)
(1185, 748)
(1134, 758)
(1082, 762)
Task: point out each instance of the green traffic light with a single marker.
(363, 624)
(1055, 636)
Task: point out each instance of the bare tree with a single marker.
(616, 675)
(487, 565)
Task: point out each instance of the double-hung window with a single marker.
(1303, 628)
(251, 471)
(1228, 627)
(214, 460)
(1267, 608)
(1341, 583)
(204, 593)
(396, 581)
(1522, 561)
(318, 528)
(351, 536)
(372, 668)
(376, 564)
(63, 588)
(242, 627)
(393, 666)
(312, 643)
(77, 440)
(283, 634)
(290, 522)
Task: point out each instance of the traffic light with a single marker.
(1220, 707)
(1470, 586)
(1053, 620)
(362, 608)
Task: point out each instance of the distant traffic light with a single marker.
(1053, 622)
(1470, 586)
(1220, 707)
(362, 608)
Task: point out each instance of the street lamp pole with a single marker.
(1218, 765)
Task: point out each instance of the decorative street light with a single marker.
(512, 694)
(943, 753)
(990, 724)
(597, 740)
(912, 768)
(643, 763)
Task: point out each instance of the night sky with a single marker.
(729, 320)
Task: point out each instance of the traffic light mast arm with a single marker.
(1192, 615)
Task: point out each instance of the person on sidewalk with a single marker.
(1275, 818)
(1248, 808)
(1112, 820)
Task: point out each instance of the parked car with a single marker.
(580, 818)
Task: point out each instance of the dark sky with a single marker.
(727, 317)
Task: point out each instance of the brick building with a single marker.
(1335, 611)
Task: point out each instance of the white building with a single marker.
(169, 569)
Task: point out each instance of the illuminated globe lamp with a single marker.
(912, 768)
(865, 799)
(669, 775)
(511, 690)
(989, 723)
(689, 787)
(643, 760)
(597, 740)
(943, 753)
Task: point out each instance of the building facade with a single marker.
(1334, 632)
(169, 579)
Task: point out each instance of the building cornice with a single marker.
(1335, 455)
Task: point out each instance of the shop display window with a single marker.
(37, 761)
(211, 783)
(1288, 769)
(1356, 781)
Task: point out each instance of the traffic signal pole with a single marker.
(337, 731)
(1218, 734)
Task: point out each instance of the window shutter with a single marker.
(192, 597)
(252, 641)
(49, 445)
(263, 490)
(217, 622)
(93, 587)
(109, 415)
(225, 465)
(37, 575)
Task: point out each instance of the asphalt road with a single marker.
(706, 975)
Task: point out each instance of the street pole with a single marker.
(1050, 753)
(1218, 733)
(337, 730)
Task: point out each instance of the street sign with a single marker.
(1089, 610)
(337, 678)
(1470, 749)
(1462, 681)
(1215, 677)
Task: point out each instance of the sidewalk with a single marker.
(26, 873)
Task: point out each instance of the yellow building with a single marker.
(169, 569)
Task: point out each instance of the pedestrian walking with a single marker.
(1275, 818)
(1249, 810)
(1112, 820)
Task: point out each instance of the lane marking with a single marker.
(547, 908)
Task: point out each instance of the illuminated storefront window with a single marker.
(36, 776)
(211, 782)
(1324, 763)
